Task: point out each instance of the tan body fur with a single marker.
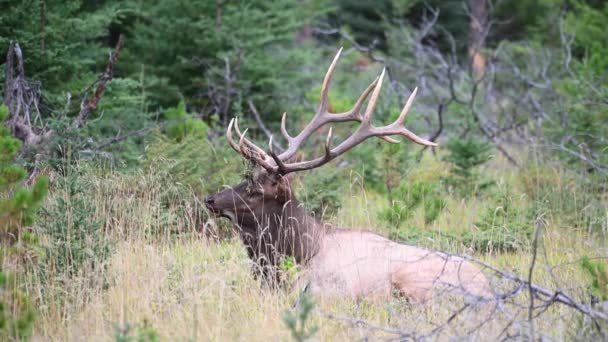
(358, 264)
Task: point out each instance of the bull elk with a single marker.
(336, 261)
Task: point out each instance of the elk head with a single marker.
(267, 191)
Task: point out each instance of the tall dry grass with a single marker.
(163, 276)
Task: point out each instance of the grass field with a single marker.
(160, 278)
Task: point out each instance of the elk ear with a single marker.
(284, 187)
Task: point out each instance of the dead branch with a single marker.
(22, 96)
(260, 122)
(91, 105)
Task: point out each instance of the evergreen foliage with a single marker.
(18, 209)
(18, 205)
(466, 157)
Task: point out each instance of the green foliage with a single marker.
(322, 191)
(297, 321)
(577, 133)
(199, 164)
(577, 201)
(18, 209)
(240, 33)
(465, 157)
(128, 332)
(289, 267)
(598, 274)
(77, 242)
(17, 313)
(408, 197)
(182, 124)
(61, 41)
(18, 205)
(503, 227)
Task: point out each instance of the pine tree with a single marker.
(18, 207)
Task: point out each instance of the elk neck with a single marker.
(277, 230)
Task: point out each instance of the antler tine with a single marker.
(327, 141)
(407, 106)
(322, 118)
(229, 136)
(259, 158)
(284, 129)
(326, 80)
(367, 117)
(274, 156)
(249, 144)
(365, 131)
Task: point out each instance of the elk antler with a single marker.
(277, 163)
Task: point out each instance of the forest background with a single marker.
(113, 131)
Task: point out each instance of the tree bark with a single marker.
(477, 36)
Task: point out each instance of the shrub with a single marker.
(77, 242)
(297, 321)
(322, 190)
(503, 227)
(18, 209)
(598, 274)
(410, 196)
(465, 157)
(183, 124)
(129, 332)
(17, 313)
(18, 205)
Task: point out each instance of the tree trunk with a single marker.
(477, 36)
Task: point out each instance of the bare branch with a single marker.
(260, 122)
(91, 105)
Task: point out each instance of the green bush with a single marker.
(128, 332)
(18, 209)
(182, 124)
(503, 227)
(410, 196)
(597, 271)
(17, 314)
(322, 191)
(465, 157)
(297, 321)
(77, 241)
(195, 162)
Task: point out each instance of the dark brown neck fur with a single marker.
(275, 231)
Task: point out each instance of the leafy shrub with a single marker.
(322, 191)
(18, 209)
(589, 329)
(297, 321)
(17, 313)
(189, 170)
(195, 162)
(77, 242)
(465, 157)
(576, 201)
(408, 197)
(598, 274)
(503, 227)
(18, 205)
(183, 124)
(128, 332)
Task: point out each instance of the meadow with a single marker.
(147, 269)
